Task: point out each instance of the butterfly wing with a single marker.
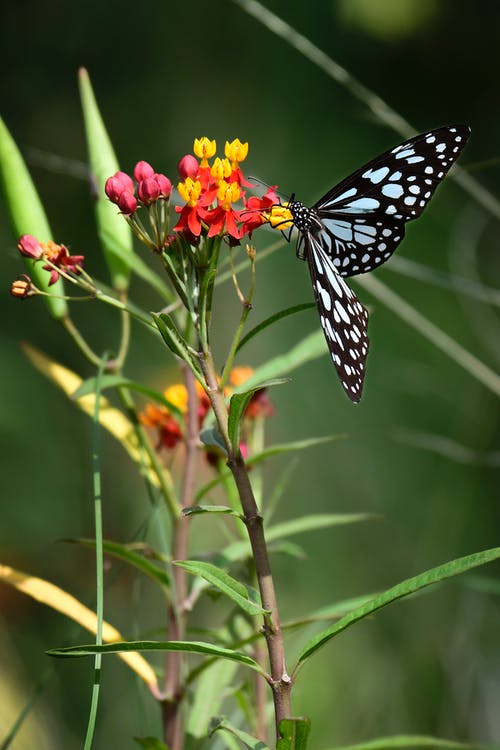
(364, 216)
(343, 318)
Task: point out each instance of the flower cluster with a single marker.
(150, 187)
(57, 257)
(211, 191)
(170, 432)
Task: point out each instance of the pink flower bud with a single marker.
(188, 167)
(29, 247)
(148, 191)
(117, 184)
(164, 184)
(127, 203)
(143, 170)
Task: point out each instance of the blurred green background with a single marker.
(163, 74)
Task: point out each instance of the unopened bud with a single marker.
(143, 170)
(188, 167)
(127, 203)
(148, 191)
(29, 247)
(22, 287)
(164, 184)
(117, 184)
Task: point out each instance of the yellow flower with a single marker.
(236, 151)
(204, 149)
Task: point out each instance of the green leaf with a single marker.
(294, 445)
(195, 510)
(252, 743)
(311, 347)
(238, 404)
(27, 215)
(118, 381)
(211, 437)
(150, 743)
(409, 586)
(314, 522)
(294, 734)
(123, 552)
(273, 319)
(414, 740)
(229, 586)
(211, 690)
(240, 550)
(103, 163)
(191, 647)
(174, 340)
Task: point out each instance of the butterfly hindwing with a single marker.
(343, 318)
(364, 215)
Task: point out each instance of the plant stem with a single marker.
(281, 683)
(174, 688)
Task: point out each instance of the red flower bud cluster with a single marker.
(150, 186)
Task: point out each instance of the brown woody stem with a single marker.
(280, 681)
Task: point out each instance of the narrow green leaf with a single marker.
(294, 734)
(123, 552)
(314, 522)
(229, 586)
(173, 339)
(409, 586)
(273, 319)
(295, 445)
(311, 347)
(103, 164)
(241, 550)
(150, 743)
(195, 510)
(252, 743)
(27, 215)
(238, 404)
(192, 647)
(118, 381)
(210, 692)
(415, 740)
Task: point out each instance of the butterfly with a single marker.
(357, 226)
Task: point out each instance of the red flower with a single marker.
(254, 213)
(127, 203)
(59, 256)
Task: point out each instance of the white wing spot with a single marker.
(429, 170)
(404, 154)
(441, 147)
(391, 210)
(414, 159)
(377, 175)
(415, 189)
(410, 200)
(341, 311)
(392, 190)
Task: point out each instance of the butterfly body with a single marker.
(356, 227)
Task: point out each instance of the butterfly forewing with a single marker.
(363, 217)
(343, 318)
